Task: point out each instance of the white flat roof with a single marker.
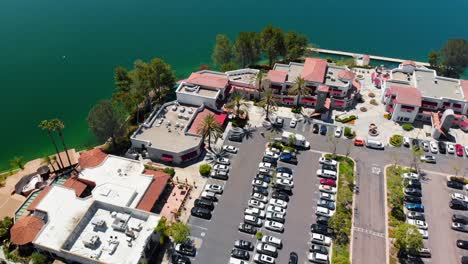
(119, 181)
(64, 211)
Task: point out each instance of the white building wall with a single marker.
(398, 113)
(195, 99)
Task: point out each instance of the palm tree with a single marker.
(269, 102)
(259, 79)
(299, 89)
(47, 160)
(248, 131)
(46, 125)
(17, 162)
(272, 126)
(58, 126)
(237, 102)
(216, 153)
(210, 127)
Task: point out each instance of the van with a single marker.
(237, 261)
(374, 144)
(326, 174)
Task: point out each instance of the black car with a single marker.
(204, 203)
(414, 184)
(179, 259)
(280, 195)
(455, 185)
(260, 190)
(412, 199)
(319, 249)
(458, 218)
(462, 244)
(315, 129)
(293, 258)
(284, 169)
(201, 212)
(416, 216)
(327, 204)
(246, 228)
(321, 229)
(270, 160)
(234, 137)
(329, 167)
(322, 220)
(240, 254)
(186, 249)
(263, 177)
(243, 244)
(283, 188)
(413, 192)
(458, 205)
(442, 147)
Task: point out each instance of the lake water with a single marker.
(57, 57)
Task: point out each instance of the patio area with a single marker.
(175, 202)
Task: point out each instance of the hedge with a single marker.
(459, 179)
(205, 169)
(296, 109)
(346, 119)
(407, 127)
(396, 140)
(349, 133)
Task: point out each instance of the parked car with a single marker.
(459, 196)
(224, 161)
(442, 147)
(284, 175)
(263, 177)
(322, 220)
(422, 253)
(179, 259)
(315, 128)
(285, 182)
(414, 184)
(425, 146)
(271, 154)
(323, 160)
(274, 241)
(280, 195)
(318, 249)
(424, 233)
(201, 212)
(261, 190)
(252, 220)
(323, 130)
(327, 189)
(329, 182)
(293, 123)
(459, 150)
(406, 141)
(293, 258)
(460, 227)
(415, 207)
(259, 183)
(214, 188)
(265, 165)
(455, 185)
(327, 196)
(220, 174)
(318, 258)
(256, 204)
(283, 188)
(323, 211)
(221, 167)
(277, 217)
(185, 249)
(458, 218)
(260, 197)
(243, 244)
(418, 223)
(462, 244)
(450, 148)
(240, 254)
(255, 211)
(246, 228)
(279, 121)
(264, 259)
(284, 169)
(276, 209)
(288, 158)
(274, 150)
(267, 249)
(209, 195)
(322, 229)
(327, 204)
(338, 132)
(230, 149)
(434, 148)
(359, 142)
(265, 171)
(412, 199)
(270, 160)
(278, 202)
(411, 176)
(466, 151)
(416, 216)
(413, 192)
(428, 158)
(204, 203)
(326, 174)
(320, 239)
(458, 205)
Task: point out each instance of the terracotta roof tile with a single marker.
(277, 76)
(25, 230)
(220, 117)
(39, 198)
(208, 80)
(91, 158)
(406, 95)
(154, 190)
(314, 70)
(76, 185)
(346, 75)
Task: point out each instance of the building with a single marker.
(415, 93)
(331, 87)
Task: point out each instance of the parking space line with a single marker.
(318, 151)
(196, 226)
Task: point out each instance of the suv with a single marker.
(279, 121)
(458, 218)
(442, 147)
(267, 249)
(321, 229)
(220, 174)
(204, 203)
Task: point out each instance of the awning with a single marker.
(288, 100)
(167, 157)
(390, 109)
(308, 100)
(338, 103)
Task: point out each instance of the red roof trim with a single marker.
(39, 198)
(153, 192)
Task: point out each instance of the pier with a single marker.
(372, 57)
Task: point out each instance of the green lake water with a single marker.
(57, 57)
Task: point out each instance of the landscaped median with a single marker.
(341, 221)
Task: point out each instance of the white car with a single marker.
(327, 196)
(424, 233)
(285, 182)
(425, 146)
(428, 158)
(264, 171)
(261, 258)
(274, 241)
(208, 194)
(316, 257)
(450, 148)
(320, 239)
(434, 147)
(323, 160)
(267, 249)
(256, 204)
(270, 154)
(459, 196)
(214, 188)
(278, 217)
(274, 226)
(338, 132)
(259, 183)
(255, 211)
(276, 209)
(327, 189)
(265, 165)
(252, 220)
(411, 176)
(466, 151)
(221, 167)
(230, 149)
(406, 141)
(278, 202)
(259, 197)
(274, 150)
(284, 175)
(293, 123)
(224, 161)
(418, 223)
(323, 211)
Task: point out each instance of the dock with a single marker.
(372, 57)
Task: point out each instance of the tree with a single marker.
(237, 102)
(454, 57)
(58, 125)
(269, 102)
(5, 226)
(434, 60)
(204, 67)
(17, 162)
(106, 120)
(47, 160)
(163, 228)
(122, 79)
(299, 88)
(272, 43)
(180, 232)
(296, 45)
(228, 66)
(47, 125)
(38, 258)
(209, 127)
(408, 238)
(292, 140)
(222, 52)
(216, 153)
(247, 48)
(341, 224)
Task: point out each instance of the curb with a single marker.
(352, 218)
(387, 242)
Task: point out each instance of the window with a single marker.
(406, 119)
(457, 105)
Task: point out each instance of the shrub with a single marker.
(296, 109)
(346, 119)
(396, 140)
(363, 109)
(239, 122)
(349, 133)
(407, 127)
(359, 76)
(459, 179)
(205, 169)
(371, 95)
(38, 258)
(259, 235)
(288, 148)
(373, 102)
(169, 171)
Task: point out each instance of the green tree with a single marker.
(17, 162)
(58, 125)
(47, 160)
(38, 258)
(209, 127)
(341, 223)
(272, 43)
(106, 120)
(434, 60)
(228, 66)
(122, 79)
(222, 52)
(204, 169)
(455, 57)
(299, 88)
(296, 45)
(247, 48)
(292, 140)
(238, 103)
(5, 226)
(180, 232)
(269, 102)
(163, 228)
(204, 67)
(49, 127)
(408, 238)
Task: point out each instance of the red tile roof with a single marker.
(25, 230)
(357, 85)
(208, 80)
(76, 185)
(154, 190)
(346, 75)
(464, 87)
(406, 95)
(314, 70)
(323, 88)
(91, 158)
(220, 117)
(277, 76)
(39, 198)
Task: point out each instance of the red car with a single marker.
(328, 182)
(459, 150)
(358, 142)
